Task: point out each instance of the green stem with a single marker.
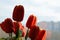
(10, 36)
(17, 35)
(26, 34)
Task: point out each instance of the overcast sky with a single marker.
(45, 10)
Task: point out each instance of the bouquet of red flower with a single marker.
(33, 32)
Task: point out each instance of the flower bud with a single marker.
(31, 21)
(18, 13)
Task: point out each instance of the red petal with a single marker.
(41, 35)
(33, 32)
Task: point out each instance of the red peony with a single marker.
(33, 32)
(41, 35)
(18, 13)
(7, 25)
(31, 21)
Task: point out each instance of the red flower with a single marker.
(20, 27)
(15, 27)
(7, 25)
(24, 31)
(18, 13)
(41, 35)
(0, 24)
(31, 21)
(33, 32)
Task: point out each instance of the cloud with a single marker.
(45, 10)
(54, 2)
(54, 5)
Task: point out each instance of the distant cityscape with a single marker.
(52, 28)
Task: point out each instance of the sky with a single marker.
(44, 10)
